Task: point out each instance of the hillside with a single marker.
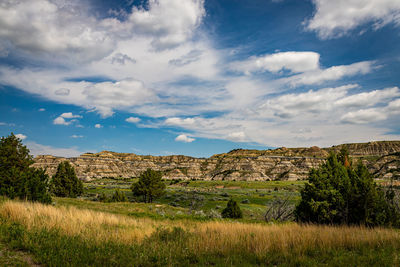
(382, 158)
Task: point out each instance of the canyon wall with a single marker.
(382, 158)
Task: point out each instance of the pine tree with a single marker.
(337, 193)
(65, 183)
(149, 186)
(17, 179)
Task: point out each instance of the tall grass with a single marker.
(223, 237)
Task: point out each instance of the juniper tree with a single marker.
(149, 186)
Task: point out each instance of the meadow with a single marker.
(183, 228)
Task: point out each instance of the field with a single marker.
(183, 228)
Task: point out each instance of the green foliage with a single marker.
(17, 179)
(232, 210)
(337, 193)
(65, 183)
(149, 186)
(118, 196)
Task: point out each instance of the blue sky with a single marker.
(198, 77)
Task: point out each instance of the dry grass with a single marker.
(222, 237)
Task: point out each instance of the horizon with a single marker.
(97, 75)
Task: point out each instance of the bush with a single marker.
(232, 210)
(17, 179)
(149, 186)
(118, 196)
(337, 193)
(65, 183)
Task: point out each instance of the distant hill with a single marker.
(382, 158)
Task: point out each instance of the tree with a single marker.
(232, 210)
(337, 193)
(65, 183)
(118, 196)
(149, 186)
(17, 179)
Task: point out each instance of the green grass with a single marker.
(169, 248)
(204, 198)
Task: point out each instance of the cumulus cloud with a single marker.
(336, 18)
(334, 73)
(61, 120)
(106, 96)
(76, 136)
(289, 105)
(41, 109)
(292, 61)
(370, 115)
(133, 120)
(369, 98)
(38, 149)
(169, 22)
(98, 126)
(21, 136)
(51, 27)
(184, 138)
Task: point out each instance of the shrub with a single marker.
(118, 196)
(337, 193)
(232, 210)
(65, 183)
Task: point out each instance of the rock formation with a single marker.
(382, 158)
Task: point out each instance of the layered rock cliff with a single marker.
(382, 158)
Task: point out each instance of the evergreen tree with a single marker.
(232, 210)
(337, 193)
(149, 186)
(65, 183)
(17, 179)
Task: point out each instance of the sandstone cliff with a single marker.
(382, 158)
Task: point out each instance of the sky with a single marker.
(198, 77)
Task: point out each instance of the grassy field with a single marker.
(203, 199)
(183, 228)
(66, 235)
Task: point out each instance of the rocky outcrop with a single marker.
(239, 164)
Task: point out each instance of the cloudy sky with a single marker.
(198, 77)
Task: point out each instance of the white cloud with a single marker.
(52, 27)
(169, 22)
(98, 126)
(290, 105)
(336, 18)
(69, 115)
(292, 61)
(41, 109)
(331, 74)
(180, 122)
(61, 120)
(184, 138)
(376, 114)
(369, 98)
(76, 136)
(237, 136)
(133, 120)
(38, 149)
(106, 96)
(21, 136)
